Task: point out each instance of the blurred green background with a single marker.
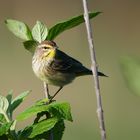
(116, 34)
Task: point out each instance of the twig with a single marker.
(46, 90)
(47, 95)
(94, 71)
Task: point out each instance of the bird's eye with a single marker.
(45, 48)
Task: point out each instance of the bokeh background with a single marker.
(116, 34)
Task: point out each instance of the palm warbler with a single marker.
(54, 67)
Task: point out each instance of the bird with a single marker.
(54, 67)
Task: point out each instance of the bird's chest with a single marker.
(44, 72)
(38, 68)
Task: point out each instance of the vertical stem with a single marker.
(94, 71)
(46, 90)
(47, 95)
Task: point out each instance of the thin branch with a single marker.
(94, 71)
(47, 95)
(46, 91)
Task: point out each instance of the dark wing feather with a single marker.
(67, 64)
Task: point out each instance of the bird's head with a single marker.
(46, 49)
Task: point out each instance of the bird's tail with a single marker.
(99, 73)
(89, 72)
(102, 74)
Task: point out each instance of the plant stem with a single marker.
(94, 71)
(6, 117)
(47, 95)
(46, 91)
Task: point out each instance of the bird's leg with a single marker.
(55, 93)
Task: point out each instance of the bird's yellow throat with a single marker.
(51, 54)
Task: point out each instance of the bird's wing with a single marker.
(65, 63)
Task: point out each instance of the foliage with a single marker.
(130, 67)
(19, 29)
(7, 106)
(49, 116)
(53, 117)
(40, 32)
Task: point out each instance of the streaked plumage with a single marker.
(55, 67)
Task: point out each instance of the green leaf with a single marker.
(43, 126)
(18, 100)
(39, 32)
(19, 29)
(4, 137)
(4, 128)
(2, 118)
(3, 104)
(31, 112)
(130, 68)
(13, 126)
(30, 45)
(9, 96)
(61, 111)
(44, 101)
(38, 128)
(68, 24)
(57, 132)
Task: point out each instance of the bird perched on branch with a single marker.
(55, 67)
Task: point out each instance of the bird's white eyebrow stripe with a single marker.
(44, 45)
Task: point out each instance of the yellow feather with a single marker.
(51, 54)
